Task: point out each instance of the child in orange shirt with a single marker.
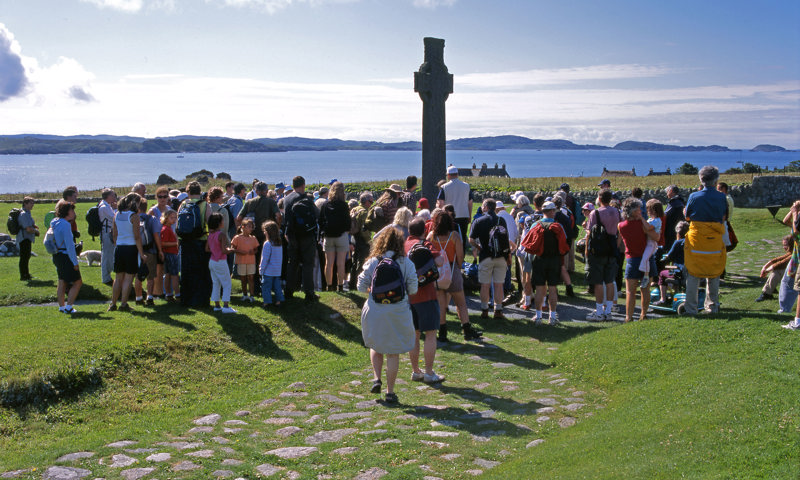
(246, 246)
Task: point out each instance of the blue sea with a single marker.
(31, 173)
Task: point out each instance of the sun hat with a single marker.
(452, 170)
(565, 187)
(605, 180)
(548, 206)
(588, 206)
(182, 196)
(395, 188)
(279, 185)
(499, 205)
(333, 181)
(323, 190)
(516, 195)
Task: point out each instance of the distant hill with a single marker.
(51, 144)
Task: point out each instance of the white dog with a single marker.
(91, 256)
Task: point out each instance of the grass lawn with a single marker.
(707, 398)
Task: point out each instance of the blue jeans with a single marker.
(787, 295)
(271, 284)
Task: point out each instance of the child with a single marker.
(271, 262)
(387, 328)
(246, 245)
(655, 210)
(219, 248)
(675, 255)
(172, 264)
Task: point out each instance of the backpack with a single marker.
(600, 243)
(423, 260)
(93, 219)
(355, 225)
(50, 242)
(376, 219)
(145, 235)
(304, 219)
(388, 284)
(337, 219)
(498, 246)
(446, 270)
(13, 221)
(231, 220)
(190, 221)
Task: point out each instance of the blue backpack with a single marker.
(388, 284)
(190, 221)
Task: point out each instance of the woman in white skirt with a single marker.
(386, 325)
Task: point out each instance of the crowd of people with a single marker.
(187, 247)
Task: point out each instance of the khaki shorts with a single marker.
(336, 244)
(492, 270)
(151, 259)
(797, 282)
(246, 268)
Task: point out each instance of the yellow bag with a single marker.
(704, 250)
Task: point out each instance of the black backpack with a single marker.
(498, 241)
(337, 219)
(231, 220)
(549, 241)
(388, 284)
(13, 221)
(145, 234)
(423, 260)
(600, 243)
(304, 217)
(93, 219)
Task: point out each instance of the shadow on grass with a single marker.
(252, 337)
(312, 321)
(161, 317)
(544, 333)
(499, 404)
(41, 283)
(495, 353)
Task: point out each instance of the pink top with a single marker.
(217, 253)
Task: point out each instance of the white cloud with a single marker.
(13, 77)
(562, 76)
(128, 6)
(273, 6)
(434, 3)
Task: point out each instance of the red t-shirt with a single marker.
(167, 235)
(634, 238)
(428, 292)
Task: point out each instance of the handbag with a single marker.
(446, 270)
(732, 240)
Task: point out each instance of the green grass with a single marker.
(708, 398)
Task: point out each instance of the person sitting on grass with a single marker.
(128, 251)
(774, 269)
(675, 255)
(66, 260)
(218, 246)
(386, 323)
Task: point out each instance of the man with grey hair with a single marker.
(707, 211)
(140, 189)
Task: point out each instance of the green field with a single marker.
(713, 397)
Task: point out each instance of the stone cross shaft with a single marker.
(434, 84)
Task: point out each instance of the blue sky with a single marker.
(679, 72)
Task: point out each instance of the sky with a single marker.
(724, 72)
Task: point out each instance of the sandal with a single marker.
(376, 386)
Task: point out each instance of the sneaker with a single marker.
(554, 319)
(311, 298)
(614, 308)
(417, 376)
(485, 313)
(112, 308)
(69, 310)
(245, 298)
(228, 310)
(594, 317)
(391, 398)
(764, 296)
(109, 283)
(125, 308)
(150, 302)
(433, 378)
(570, 291)
(793, 325)
(537, 321)
(376, 386)
(525, 307)
(780, 310)
(140, 302)
(498, 315)
(217, 309)
(658, 303)
(470, 333)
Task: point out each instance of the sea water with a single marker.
(48, 173)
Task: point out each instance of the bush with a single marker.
(687, 169)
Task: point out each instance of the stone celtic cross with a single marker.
(434, 84)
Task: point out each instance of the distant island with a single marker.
(53, 144)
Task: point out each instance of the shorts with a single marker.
(336, 244)
(126, 259)
(425, 315)
(172, 264)
(632, 268)
(457, 284)
(797, 282)
(546, 271)
(527, 262)
(246, 269)
(600, 270)
(65, 269)
(492, 270)
(151, 260)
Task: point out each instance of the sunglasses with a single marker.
(163, 196)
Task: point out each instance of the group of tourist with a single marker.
(188, 245)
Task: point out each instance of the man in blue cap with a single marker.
(279, 190)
